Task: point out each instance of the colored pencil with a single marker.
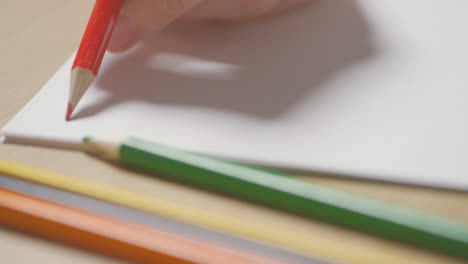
(112, 237)
(159, 222)
(92, 49)
(292, 195)
(273, 234)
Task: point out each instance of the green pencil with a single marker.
(286, 193)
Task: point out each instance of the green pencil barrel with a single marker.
(295, 196)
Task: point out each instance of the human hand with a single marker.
(140, 18)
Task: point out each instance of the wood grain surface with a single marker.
(35, 39)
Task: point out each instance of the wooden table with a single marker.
(36, 38)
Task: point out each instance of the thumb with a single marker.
(140, 18)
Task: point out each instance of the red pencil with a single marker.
(92, 48)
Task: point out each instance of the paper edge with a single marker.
(4, 129)
(319, 172)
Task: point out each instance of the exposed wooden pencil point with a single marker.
(69, 112)
(80, 80)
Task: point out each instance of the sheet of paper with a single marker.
(374, 89)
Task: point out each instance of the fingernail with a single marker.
(124, 35)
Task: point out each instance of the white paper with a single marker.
(374, 89)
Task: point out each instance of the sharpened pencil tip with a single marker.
(69, 112)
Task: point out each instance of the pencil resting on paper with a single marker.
(113, 237)
(286, 193)
(92, 49)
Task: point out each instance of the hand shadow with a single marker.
(259, 70)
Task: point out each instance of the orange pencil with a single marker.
(92, 48)
(112, 237)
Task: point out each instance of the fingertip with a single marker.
(124, 36)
